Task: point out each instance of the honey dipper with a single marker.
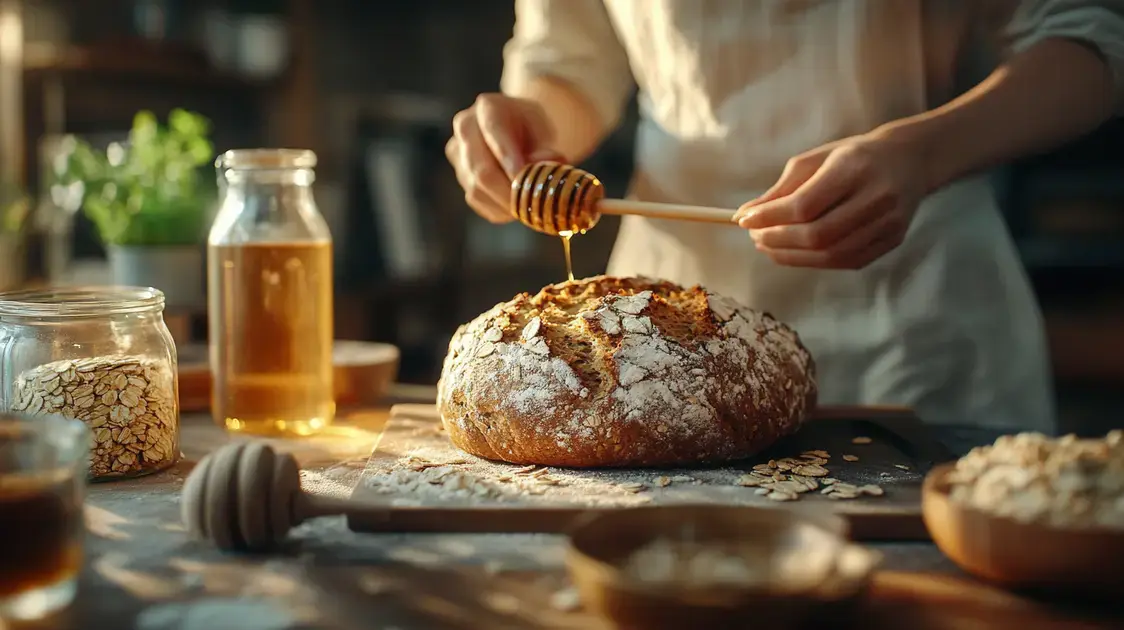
(555, 198)
(246, 497)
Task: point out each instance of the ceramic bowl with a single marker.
(1022, 555)
(804, 563)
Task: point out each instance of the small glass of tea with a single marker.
(43, 462)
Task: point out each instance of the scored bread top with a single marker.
(610, 371)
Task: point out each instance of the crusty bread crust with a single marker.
(615, 372)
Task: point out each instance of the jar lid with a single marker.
(266, 159)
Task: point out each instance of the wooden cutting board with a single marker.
(899, 452)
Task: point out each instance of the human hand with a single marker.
(492, 140)
(841, 206)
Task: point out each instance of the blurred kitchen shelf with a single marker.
(1039, 252)
(1080, 342)
(1100, 182)
(142, 62)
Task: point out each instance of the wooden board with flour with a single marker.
(430, 483)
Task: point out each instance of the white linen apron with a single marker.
(730, 89)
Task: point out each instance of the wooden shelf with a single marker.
(136, 61)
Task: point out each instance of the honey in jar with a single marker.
(270, 297)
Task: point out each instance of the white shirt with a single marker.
(730, 89)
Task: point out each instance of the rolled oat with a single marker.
(1030, 477)
(128, 402)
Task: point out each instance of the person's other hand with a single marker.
(492, 140)
(841, 206)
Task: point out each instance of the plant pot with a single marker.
(11, 261)
(175, 270)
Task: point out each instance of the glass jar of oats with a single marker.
(102, 355)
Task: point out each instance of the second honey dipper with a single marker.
(559, 199)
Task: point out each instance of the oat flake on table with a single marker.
(443, 475)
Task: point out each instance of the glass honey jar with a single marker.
(269, 270)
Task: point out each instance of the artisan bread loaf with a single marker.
(615, 372)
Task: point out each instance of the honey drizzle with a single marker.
(557, 199)
(566, 236)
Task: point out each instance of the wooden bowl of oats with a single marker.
(717, 566)
(1034, 513)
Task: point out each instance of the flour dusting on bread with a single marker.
(623, 371)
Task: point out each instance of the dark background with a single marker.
(383, 77)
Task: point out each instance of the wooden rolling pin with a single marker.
(555, 198)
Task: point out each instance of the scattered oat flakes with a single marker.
(811, 470)
(901, 466)
(861, 440)
(808, 482)
(780, 495)
(633, 487)
(419, 465)
(662, 482)
(843, 491)
(750, 480)
(787, 464)
(682, 479)
(850, 458)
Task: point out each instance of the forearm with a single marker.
(1049, 94)
(576, 128)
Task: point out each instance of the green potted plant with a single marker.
(150, 199)
(14, 210)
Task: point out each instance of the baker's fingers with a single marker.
(833, 180)
(857, 250)
(500, 127)
(482, 202)
(796, 172)
(835, 225)
(486, 187)
(823, 260)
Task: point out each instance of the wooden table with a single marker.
(142, 572)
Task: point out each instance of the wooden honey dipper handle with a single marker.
(665, 211)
